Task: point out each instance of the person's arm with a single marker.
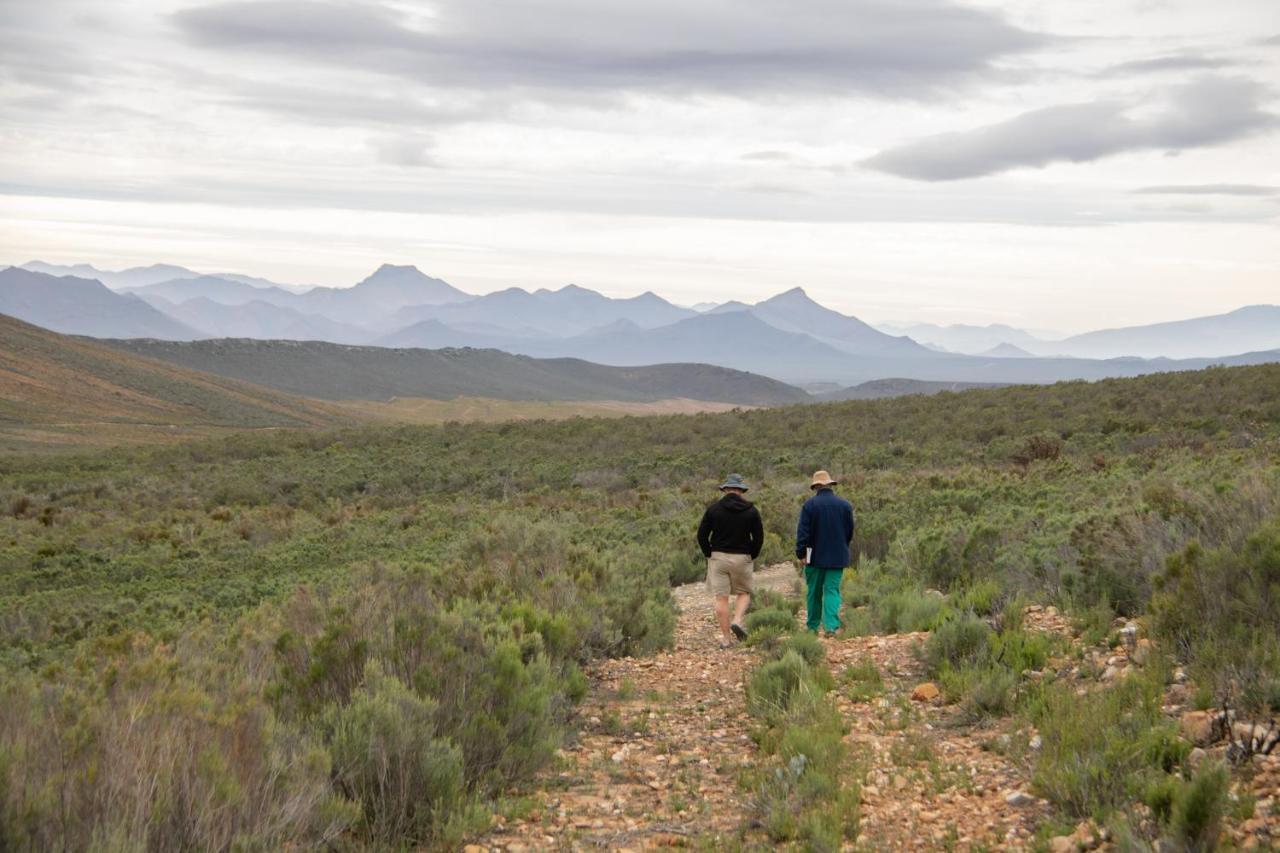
(757, 534)
(803, 532)
(848, 523)
(704, 534)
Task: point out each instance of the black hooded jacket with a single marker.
(732, 525)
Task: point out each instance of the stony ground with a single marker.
(664, 745)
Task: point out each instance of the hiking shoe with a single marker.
(738, 631)
(726, 644)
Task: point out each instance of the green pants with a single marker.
(824, 598)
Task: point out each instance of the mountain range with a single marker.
(789, 337)
(1251, 328)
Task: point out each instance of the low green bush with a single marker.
(775, 683)
(769, 599)
(806, 645)
(768, 624)
(387, 757)
(1220, 610)
(1104, 749)
(956, 643)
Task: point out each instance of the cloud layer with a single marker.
(1208, 111)
(878, 47)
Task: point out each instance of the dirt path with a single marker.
(665, 740)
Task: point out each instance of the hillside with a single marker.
(878, 389)
(336, 372)
(55, 388)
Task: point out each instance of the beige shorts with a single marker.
(729, 574)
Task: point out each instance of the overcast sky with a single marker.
(1053, 165)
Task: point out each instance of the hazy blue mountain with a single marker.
(332, 371)
(218, 289)
(117, 279)
(263, 282)
(1252, 328)
(432, 334)
(80, 306)
(1007, 350)
(571, 310)
(264, 321)
(380, 296)
(738, 339)
(794, 311)
(966, 338)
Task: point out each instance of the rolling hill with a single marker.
(335, 372)
(79, 306)
(880, 389)
(54, 386)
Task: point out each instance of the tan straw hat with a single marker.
(820, 479)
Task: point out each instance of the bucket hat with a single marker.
(734, 481)
(821, 479)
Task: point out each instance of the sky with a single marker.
(1058, 166)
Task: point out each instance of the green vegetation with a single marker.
(808, 792)
(220, 641)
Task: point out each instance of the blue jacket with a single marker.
(826, 526)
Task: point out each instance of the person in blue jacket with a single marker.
(823, 537)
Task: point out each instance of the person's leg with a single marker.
(722, 616)
(831, 579)
(813, 601)
(743, 583)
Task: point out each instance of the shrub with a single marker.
(776, 683)
(768, 599)
(387, 758)
(1103, 749)
(769, 621)
(1220, 610)
(982, 598)
(806, 645)
(1198, 808)
(958, 642)
(909, 611)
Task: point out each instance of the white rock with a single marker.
(1019, 798)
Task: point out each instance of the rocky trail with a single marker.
(665, 743)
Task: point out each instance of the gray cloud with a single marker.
(1161, 64)
(1209, 189)
(405, 150)
(877, 47)
(1208, 111)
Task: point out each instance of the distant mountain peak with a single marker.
(394, 271)
(795, 295)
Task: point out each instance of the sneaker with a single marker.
(726, 644)
(738, 631)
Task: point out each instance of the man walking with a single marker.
(731, 536)
(823, 537)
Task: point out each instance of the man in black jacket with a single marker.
(731, 536)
